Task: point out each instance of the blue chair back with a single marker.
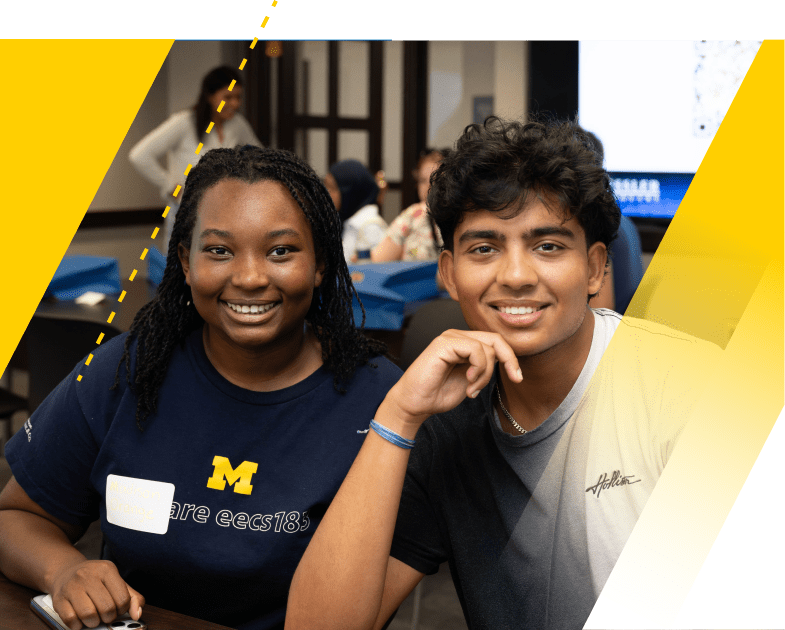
(626, 256)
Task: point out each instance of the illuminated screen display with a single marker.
(656, 107)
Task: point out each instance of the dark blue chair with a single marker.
(627, 260)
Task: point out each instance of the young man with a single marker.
(527, 477)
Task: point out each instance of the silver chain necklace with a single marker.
(507, 413)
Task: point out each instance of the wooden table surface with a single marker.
(15, 613)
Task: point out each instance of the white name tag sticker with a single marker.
(138, 504)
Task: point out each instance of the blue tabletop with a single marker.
(391, 291)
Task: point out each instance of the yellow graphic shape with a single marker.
(718, 275)
(239, 477)
(58, 144)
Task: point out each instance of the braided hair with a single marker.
(170, 316)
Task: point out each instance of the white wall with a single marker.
(460, 71)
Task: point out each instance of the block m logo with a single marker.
(223, 469)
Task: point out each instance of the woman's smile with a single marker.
(252, 309)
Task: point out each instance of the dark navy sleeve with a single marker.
(53, 455)
(417, 541)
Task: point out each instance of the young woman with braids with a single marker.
(243, 388)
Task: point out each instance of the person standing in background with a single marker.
(178, 138)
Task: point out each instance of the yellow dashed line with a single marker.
(176, 192)
(275, 3)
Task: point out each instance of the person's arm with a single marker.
(147, 154)
(386, 251)
(391, 247)
(346, 579)
(36, 549)
(373, 232)
(349, 241)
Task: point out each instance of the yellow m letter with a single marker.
(223, 469)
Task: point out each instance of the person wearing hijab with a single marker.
(354, 191)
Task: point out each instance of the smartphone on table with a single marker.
(43, 607)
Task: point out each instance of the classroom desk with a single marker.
(138, 293)
(15, 613)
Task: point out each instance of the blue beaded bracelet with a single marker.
(392, 436)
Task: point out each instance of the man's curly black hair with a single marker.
(496, 166)
(170, 316)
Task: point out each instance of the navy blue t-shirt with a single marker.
(228, 555)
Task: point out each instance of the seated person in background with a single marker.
(527, 477)
(413, 235)
(627, 250)
(354, 192)
(240, 388)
